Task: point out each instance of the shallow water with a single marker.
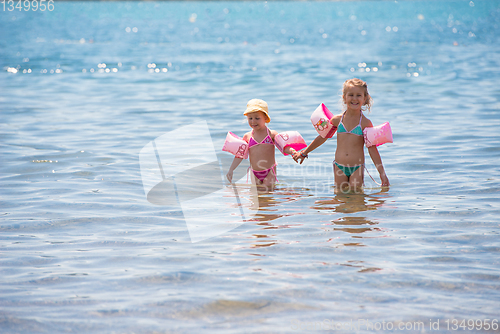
(86, 86)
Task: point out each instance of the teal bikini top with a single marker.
(357, 130)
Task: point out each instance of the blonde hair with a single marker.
(355, 82)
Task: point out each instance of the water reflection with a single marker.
(356, 227)
(361, 265)
(263, 240)
(352, 202)
(271, 204)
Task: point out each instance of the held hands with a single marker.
(298, 155)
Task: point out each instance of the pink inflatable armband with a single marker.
(236, 146)
(291, 139)
(378, 135)
(320, 119)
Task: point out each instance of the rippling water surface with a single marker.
(86, 86)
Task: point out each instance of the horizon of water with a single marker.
(86, 86)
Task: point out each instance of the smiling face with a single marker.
(350, 86)
(256, 120)
(354, 97)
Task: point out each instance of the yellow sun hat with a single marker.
(255, 105)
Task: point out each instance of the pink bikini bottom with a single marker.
(261, 174)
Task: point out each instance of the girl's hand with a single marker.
(229, 176)
(297, 156)
(385, 180)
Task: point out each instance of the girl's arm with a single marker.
(236, 163)
(377, 161)
(288, 149)
(317, 142)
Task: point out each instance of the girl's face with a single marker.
(354, 98)
(256, 120)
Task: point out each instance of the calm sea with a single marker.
(84, 87)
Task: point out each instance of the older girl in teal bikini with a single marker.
(349, 156)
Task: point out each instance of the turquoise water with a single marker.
(86, 86)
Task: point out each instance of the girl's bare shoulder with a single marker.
(365, 122)
(335, 120)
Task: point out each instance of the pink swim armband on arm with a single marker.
(236, 145)
(320, 119)
(291, 139)
(378, 135)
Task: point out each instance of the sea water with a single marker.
(86, 86)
